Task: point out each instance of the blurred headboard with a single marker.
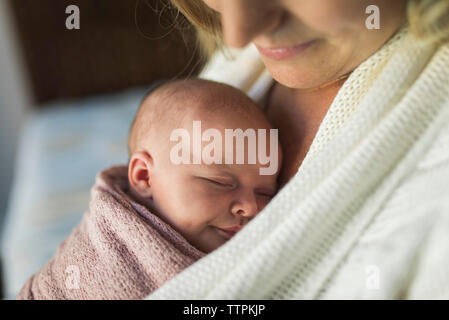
(120, 44)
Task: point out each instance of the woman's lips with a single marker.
(284, 53)
(228, 233)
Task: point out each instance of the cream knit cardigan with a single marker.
(367, 214)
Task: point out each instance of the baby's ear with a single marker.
(139, 173)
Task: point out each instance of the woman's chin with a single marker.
(310, 70)
(296, 80)
(306, 76)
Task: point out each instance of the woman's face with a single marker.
(305, 43)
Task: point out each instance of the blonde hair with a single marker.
(428, 20)
(206, 22)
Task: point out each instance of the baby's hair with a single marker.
(156, 84)
(133, 134)
(156, 111)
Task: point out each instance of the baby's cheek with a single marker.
(262, 203)
(197, 213)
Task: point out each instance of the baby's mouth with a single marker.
(228, 233)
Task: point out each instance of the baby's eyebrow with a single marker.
(222, 165)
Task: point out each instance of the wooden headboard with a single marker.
(120, 44)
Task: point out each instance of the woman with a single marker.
(363, 120)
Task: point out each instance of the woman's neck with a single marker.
(302, 104)
(298, 114)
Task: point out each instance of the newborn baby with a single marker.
(206, 203)
(185, 192)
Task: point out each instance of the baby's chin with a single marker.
(211, 240)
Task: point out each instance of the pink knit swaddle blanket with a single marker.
(120, 250)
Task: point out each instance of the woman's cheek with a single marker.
(328, 17)
(213, 4)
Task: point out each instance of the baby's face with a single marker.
(210, 203)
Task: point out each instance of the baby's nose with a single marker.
(245, 206)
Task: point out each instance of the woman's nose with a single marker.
(243, 20)
(245, 206)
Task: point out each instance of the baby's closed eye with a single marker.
(218, 182)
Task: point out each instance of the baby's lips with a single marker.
(234, 229)
(229, 232)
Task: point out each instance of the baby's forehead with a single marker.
(225, 111)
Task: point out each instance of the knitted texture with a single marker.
(326, 224)
(119, 251)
